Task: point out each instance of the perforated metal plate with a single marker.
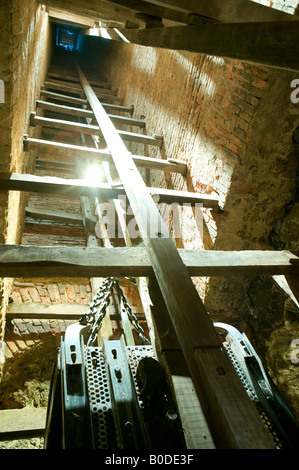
(105, 436)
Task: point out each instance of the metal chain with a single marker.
(132, 317)
(98, 307)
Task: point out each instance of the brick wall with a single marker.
(22, 334)
(23, 63)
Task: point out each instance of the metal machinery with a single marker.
(273, 410)
(111, 396)
(115, 396)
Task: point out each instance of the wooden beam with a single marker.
(99, 10)
(72, 18)
(22, 423)
(83, 101)
(32, 310)
(57, 216)
(55, 149)
(32, 261)
(73, 80)
(272, 44)
(155, 10)
(230, 11)
(57, 108)
(63, 87)
(80, 187)
(92, 130)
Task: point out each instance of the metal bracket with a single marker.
(127, 414)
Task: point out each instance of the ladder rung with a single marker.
(92, 130)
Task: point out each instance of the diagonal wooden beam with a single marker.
(273, 44)
(196, 334)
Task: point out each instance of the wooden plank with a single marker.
(67, 79)
(154, 10)
(31, 310)
(230, 11)
(91, 130)
(272, 44)
(64, 88)
(88, 114)
(51, 148)
(80, 187)
(78, 91)
(26, 261)
(58, 216)
(83, 101)
(22, 423)
(99, 9)
(62, 97)
(191, 322)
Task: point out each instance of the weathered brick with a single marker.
(53, 293)
(25, 295)
(34, 294)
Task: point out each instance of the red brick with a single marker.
(260, 83)
(42, 292)
(25, 296)
(16, 297)
(69, 291)
(34, 294)
(54, 297)
(12, 347)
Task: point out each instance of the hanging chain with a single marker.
(132, 317)
(97, 311)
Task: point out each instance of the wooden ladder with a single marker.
(213, 404)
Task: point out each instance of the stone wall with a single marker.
(24, 59)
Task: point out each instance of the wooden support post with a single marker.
(235, 427)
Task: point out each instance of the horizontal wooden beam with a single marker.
(57, 108)
(78, 91)
(34, 261)
(92, 130)
(81, 187)
(273, 44)
(22, 423)
(32, 310)
(154, 10)
(230, 11)
(50, 149)
(57, 216)
(83, 101)
(73, 81)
